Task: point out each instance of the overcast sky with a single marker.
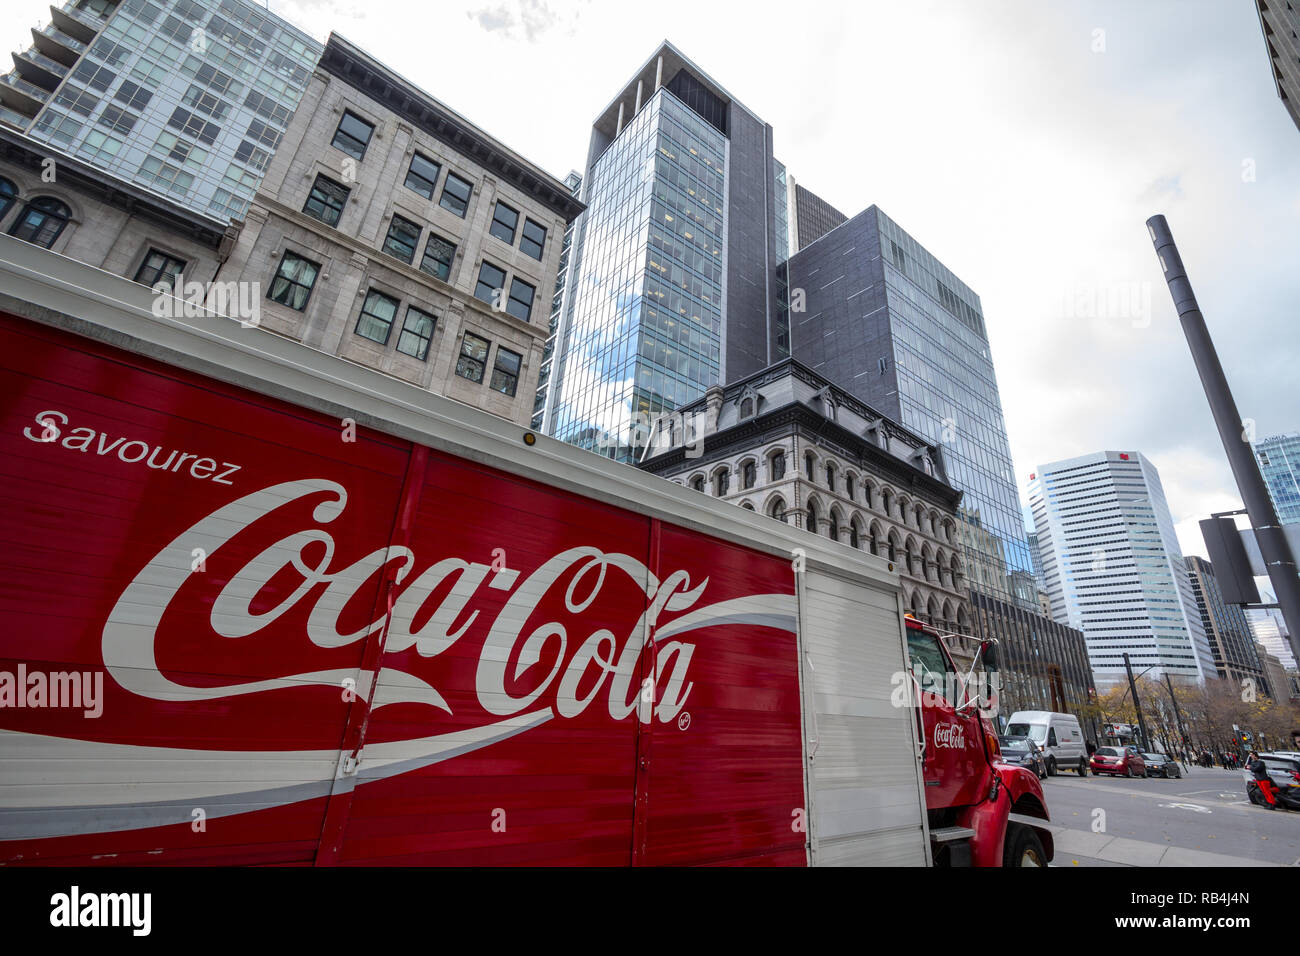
(1023, 143)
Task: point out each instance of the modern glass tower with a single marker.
(672, 279)
(1279, 463)
(875, 312)
(1114, 568)
(188, 98)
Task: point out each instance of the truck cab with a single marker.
(981, 810)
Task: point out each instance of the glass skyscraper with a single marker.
(1279, 463)
(887, 321)
(188, 98)
(672, 281)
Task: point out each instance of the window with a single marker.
(191, 125)
(534, 239)
(252, 156)
(928, 664)
(778, 466)
(259, 132)
(8, 195)
(830, 477)
(376, 318)
(201, 99)
(353, 135)
(79, 101)
(41, 221)
(422, 176)
(159, 267)
(505, 373)
(504, 222)
(119, 121)
(455, 195)
(722, 482)
(132, 95)
(697, 483)
(403, 237)
(326, 200)
(95, 76)
(100, 147)
(417, 332)
(808, 465)
(473, 357)
(748, 475)
(521, 299)
(848, 485)
(438, 256)
(490, 279)
(812, 517)
(293, 281)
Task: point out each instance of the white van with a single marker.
(1058, 734)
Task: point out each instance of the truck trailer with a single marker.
(262, 605)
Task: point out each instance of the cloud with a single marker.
(527, 20)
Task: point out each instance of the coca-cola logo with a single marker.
(600, 663)
(952, 736)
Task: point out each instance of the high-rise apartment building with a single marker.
(811, 217)
(573, 182)
(1114, 568)
(186, 98)
(1270, 630)
(1279, 463)
(1280, 21)
(672, 282)
(1225, 626)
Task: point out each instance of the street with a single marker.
(1203, 819)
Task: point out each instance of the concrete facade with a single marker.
(1225, 626)
(1280, 22)
(351, 253)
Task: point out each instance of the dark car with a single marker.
(1023, 752)
(1118, 761)
(1162, 765)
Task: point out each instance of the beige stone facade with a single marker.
(351, 254)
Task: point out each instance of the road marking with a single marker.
(1188, 806)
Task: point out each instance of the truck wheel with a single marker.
(1083, 768)
(1023, 848)
(1051, 767)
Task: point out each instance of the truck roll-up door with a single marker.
(866, 793)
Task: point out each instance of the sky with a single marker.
(1023, 142)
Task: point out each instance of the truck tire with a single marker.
(1023, 848)
(1083, 767)
(1051, 767)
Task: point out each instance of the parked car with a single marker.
(1023, 752)
(1162, 765)
(1058, 734)
(1118, 762)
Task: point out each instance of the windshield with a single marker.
(1108, 752)
(1036, 732)
(1013, 744)
(1153, 757)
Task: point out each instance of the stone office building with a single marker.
(787, 443)
(393, 232)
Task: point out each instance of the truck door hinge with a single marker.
(348, 764)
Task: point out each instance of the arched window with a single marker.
(873, 538)
(809, 465)
(748, 474)
(697, 483)
(830, 476)
(8, 195)
(893, 549)
(776, 509)
(747, 408)
(812, 517)
(848, 485)
(854, 540)
(886, 500)
(747, 506)
(777, 465)
(721, 482)
(870, 494)
(833, 530)
(41, 221)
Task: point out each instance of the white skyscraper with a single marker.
(1269, 629)
(1113, 566)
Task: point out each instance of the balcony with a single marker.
(76, 23)
(37, 66)
(21, 95)
(14, 118)
(57, 45)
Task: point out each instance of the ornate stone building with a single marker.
(787, 443)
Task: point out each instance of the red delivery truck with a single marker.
(261, 605)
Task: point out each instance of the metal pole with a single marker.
(1273, 546)
(1137, 705)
